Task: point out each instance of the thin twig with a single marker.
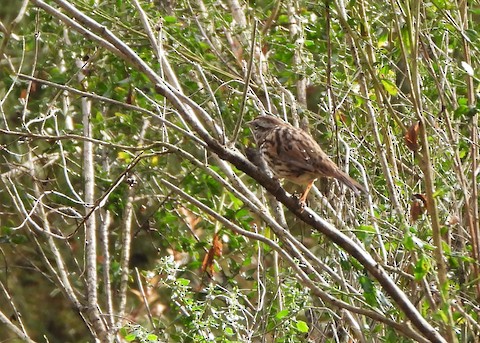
(246, 88)
(145, 301)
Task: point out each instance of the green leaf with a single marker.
(98, 119)
(282, 314)
(365, 234)
(442, 315)
(183, 282)
(462, 101)
(7, 230)
(357, 265)
(130, 337)
(152, 337)
(369, 291)
(302, 326)
(283, 19)
(169, 19)
(125, 156)
(389, 87)
(19, 239)
(446, 248)
(309, 43)
(367, 228)
(408, 242)
(383, 40)
(422, 267)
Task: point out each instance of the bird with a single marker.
(293, 154)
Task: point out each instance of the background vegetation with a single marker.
(130, 211)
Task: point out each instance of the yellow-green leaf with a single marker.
(302, 326)
(389, 87)
(282, 314)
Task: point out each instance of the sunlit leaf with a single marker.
(130, 337)
(282, 314)
(152, 337)
(302, 326)
(183, 282)
(390, 87)
(169, 19)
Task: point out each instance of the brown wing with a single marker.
(302, 150)
(293, 148)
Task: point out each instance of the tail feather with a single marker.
(356, 187)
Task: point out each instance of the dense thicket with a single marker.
(131, 212)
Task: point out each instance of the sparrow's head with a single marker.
(261, 126)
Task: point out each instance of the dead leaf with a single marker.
(215, 250)
(416, 210)
(411, 137)
(217, 245)
(23, 93)
(418, 206)
(208, 261)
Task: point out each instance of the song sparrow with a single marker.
(294, 155)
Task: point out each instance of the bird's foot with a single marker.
(303, 198)
(302, 201)
(303, 204)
